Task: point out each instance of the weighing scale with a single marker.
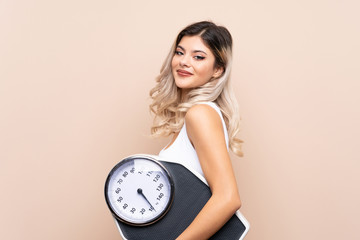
(151, 198)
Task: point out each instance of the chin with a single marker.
(181, 84)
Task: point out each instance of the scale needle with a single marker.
(142, 194)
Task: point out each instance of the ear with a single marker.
(218, 71)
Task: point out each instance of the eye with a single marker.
(179, 53)
(199, 57)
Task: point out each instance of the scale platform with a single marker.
(190, 195)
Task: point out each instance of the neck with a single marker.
(184, 94)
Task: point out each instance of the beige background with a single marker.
(74, 83)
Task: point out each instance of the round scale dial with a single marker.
(139, 190)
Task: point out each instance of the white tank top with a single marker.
(182, 151)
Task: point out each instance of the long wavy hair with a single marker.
(167, 105)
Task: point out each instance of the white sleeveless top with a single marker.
(182, 151)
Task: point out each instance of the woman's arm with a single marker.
(205, 131)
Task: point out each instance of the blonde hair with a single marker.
(167, 105)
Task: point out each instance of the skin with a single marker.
(194, 57)
(210, 146)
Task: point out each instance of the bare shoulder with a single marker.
(200, 119)
(202, 113)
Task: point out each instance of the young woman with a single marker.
(194, 102)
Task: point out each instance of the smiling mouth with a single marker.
(184, 73)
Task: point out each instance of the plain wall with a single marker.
(74, 82)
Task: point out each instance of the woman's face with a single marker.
(193, 63)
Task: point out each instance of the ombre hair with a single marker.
(167, 105)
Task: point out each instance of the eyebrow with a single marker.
(195, 51)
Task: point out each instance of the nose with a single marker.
(184, 61)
